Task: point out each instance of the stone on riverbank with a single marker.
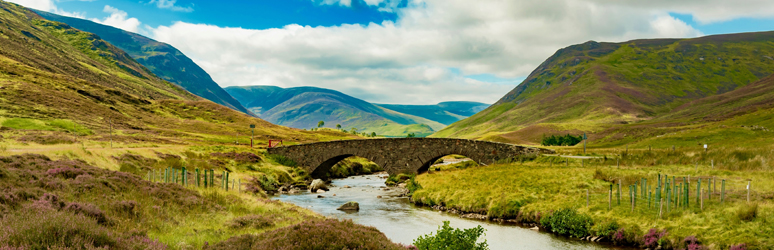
(350, 206)
(318, 184)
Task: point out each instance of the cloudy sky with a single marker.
(403, 51)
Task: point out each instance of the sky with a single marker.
(403, 51)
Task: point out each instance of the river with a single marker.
(403, 222)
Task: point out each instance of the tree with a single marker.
(320, 124)
(449, 238)
(373, 134)
(338, 126)
(353, 131)
(411, 135)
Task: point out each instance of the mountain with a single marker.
(162, 59)
(59, 79)
(445, 112)
(594, 86)
(304, 107)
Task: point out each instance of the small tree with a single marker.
(320, 124)
(411, 135)
(353, 131)
(338, 126)
(449, 238)
(373, 134)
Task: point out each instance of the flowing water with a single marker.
(403, 222)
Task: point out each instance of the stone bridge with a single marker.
(399, 155)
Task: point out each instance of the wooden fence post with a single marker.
(587, 197)
(631, 197)
(748, 190)
(184, 178)
(610, 198)
(205, 178)
(698, 191)
(197, 178)
(619, 192)
(701, 198)
(660, 208)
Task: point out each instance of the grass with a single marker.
(528, 191)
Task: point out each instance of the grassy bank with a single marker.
(535, 190)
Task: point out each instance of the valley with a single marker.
(112, 140)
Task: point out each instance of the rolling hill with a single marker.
(445, 112)
(59, 79)
(304, 107)
(160, 58)
(593, 87)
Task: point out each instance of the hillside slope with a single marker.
(445, 112)
(162, 59)
(304, 107)
(57, 78)
(594, 86)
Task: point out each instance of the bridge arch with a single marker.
(399, 155)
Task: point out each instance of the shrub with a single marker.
(747, 212)
(654, 238)
(448, 238)
(251, 221)
(691, 243)
(87, 210)
(65, 172)
(36, 228)
(328, 234)
(568, 222)
(739, 247)
(561, 140)
(605, 229)
(628, 236)
(125, 207)
(412, 185)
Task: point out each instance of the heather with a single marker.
(319, 234)
(70, 204)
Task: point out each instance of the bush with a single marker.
(747, 212)
(448, 238)
(561, 140)
(328, 234)
(654, 238)
(568, 222)
(605, 229)
(691, 243)
(87, 210)
(39, 228)
(412, 185)
(739, 247)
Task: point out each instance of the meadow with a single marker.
(582, 194)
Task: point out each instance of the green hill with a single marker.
(445, 112)
(162, 59)
(592, 87)
(304, 107)
(57, 78)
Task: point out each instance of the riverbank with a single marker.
(531, 192)
(389, 211)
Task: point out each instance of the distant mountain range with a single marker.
(304, 107)
(610, 88)
(160, 58)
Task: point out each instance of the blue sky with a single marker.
(403, 51)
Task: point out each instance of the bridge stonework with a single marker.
(399, 155)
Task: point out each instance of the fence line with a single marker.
(183, 178)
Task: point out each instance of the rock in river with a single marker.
(318, 184)
(350, 206)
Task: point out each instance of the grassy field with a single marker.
(529, 191)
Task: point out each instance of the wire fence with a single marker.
(663, 194)
(205, 178)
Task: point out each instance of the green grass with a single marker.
(525, 191)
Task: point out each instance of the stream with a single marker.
(402, 221)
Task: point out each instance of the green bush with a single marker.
(747, 212)
(568, 222)
(412, 185)
(605, 229)
(561, 140)
(448, 238)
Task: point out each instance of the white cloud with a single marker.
(170, 5)
(408, 61)
(118, 19)
(48, 6)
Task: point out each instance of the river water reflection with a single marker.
(403, 222)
